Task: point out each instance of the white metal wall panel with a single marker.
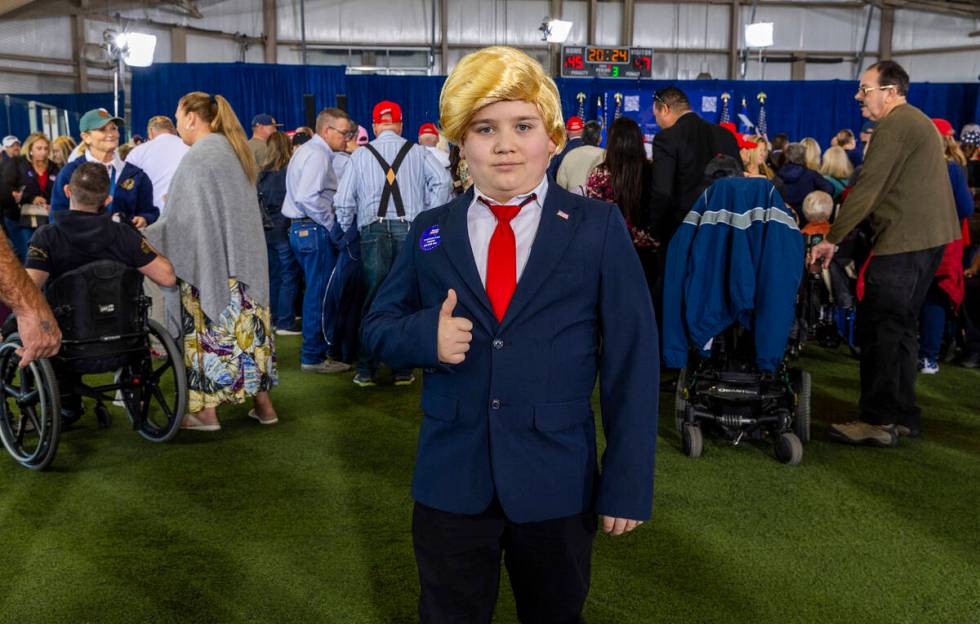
(917, 30)
(46, 36)
(814, 29)
(357, 21)
(609, 24)
(839, 71)
(205, 49)
(21, 83)
(683, 26)
(948, 67)
(771, 71)
(244, 16)
(513, 23)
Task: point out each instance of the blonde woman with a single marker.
(812, 153)
(758, 158)
(61, 149)
(32, 190)
(212, 231)
(836, 169)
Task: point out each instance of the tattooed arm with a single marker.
(36, 325)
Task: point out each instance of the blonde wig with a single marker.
(498, 74)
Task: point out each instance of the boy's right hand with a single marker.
(455, 332)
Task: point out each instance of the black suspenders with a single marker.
(391, 190)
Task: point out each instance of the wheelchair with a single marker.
(105, 329)
(726, 393)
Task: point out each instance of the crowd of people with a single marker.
(333, 236)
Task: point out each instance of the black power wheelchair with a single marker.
(103, 316)
(727, 393)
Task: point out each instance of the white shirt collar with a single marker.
(540, 191)
(116, 162)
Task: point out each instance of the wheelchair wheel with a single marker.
(680, 402)
(789, 449)
(157, 404)
(693, 441)
(30, 408)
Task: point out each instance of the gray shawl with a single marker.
(211, 229)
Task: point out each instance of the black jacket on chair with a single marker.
(680, 155)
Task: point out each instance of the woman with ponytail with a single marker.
(212, 231)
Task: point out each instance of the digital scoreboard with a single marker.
(586, 62)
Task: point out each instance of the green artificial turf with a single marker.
(309, 520)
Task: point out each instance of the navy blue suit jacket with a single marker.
(133, 196)
(515, 418)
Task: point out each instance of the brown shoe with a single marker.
(859, 432)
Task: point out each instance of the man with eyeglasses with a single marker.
(311, 183)
(386, 185)
(904, 192)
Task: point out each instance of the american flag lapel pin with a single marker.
(563, 215)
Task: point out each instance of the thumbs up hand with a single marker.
(455, 332)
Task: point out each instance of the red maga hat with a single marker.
(386, 112)
(945, 128)
(574, 124)
(428, 128)
(743, 143)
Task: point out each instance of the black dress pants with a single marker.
(895, 286)
(458, 557)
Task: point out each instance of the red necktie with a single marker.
(502, 257)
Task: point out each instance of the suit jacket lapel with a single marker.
(553, 236)
(456, 238)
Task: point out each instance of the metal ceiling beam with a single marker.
(8, 6)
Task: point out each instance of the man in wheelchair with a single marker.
(88, 234)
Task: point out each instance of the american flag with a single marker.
(726, 116)
(761, 127)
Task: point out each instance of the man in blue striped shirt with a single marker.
(311, 183)
(385, 186)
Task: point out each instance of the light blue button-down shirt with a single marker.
(311, 183)
(422, 181)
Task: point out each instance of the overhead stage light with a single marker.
(136, 49)
(759, 35)
(555, 30)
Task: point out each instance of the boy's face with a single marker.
(507, 149)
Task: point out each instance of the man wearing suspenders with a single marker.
(385, 186)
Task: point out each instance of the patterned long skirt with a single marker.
(230, 359)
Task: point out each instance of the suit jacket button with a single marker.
(498, 344)
(495, 404)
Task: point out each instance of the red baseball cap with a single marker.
(945, 128)
(574, 124)
(742, 142)
(428, 128)
(384, 109)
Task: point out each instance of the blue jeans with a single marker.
(932, 323)
(381, 243)
(284, 274)
(315, 251)
(18, 236)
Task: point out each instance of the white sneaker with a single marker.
(288, 332)
(326, 366)
(928, 367)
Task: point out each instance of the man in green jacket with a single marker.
(905, 193)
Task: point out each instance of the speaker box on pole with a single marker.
(342, 101)
(309, 109)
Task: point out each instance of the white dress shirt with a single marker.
(481, 222)
(116, 163)
(158, 158)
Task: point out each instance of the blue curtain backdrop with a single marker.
(15, 118)
(798, 108)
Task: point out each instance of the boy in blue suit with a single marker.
(513, 298)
